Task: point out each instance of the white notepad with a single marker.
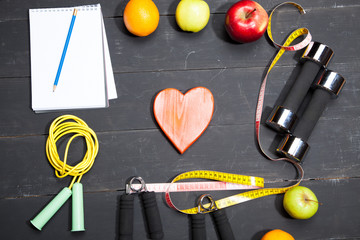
(86, 79)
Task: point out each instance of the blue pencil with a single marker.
(65, 49)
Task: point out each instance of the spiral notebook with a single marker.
(86, 79)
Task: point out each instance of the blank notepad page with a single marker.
(82, 79)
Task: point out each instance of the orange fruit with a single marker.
(141, 17)
(277, 234)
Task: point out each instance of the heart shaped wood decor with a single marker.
(183, 118)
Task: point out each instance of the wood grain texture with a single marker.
(249, 220)
(132, 144)
(25, 171)
(168, 48)
(183, 117)
(17, 9)
(234, 90)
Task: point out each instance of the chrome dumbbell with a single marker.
(328, 85)
(316, 57)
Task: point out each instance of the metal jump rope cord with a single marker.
(69, 124)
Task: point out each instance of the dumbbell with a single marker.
(328, 85)
(315, 57)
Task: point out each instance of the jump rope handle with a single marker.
(198, 230)
(126, 217)
(222, 225)
(49, 211)
(152, 215)
(77, 208)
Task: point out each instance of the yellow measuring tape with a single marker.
(295, 34)
(242, 179)
(226, 177)
(69, 124)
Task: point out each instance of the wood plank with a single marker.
(24, 170)
(183, 51)
(235, 92)
(17, 9)
(132, 144)
(338, 217)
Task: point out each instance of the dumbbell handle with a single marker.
(301, 86)
(312, 114)
(328, 85)
(284, 116)
(222, 225)
(152, 215)
(126, 217)
(198, 229)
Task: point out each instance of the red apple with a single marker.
(246, 21)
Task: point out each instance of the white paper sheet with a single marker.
(86, 79)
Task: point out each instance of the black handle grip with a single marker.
(312, 113)
(301, 86)
(222, 225)
(152, 215)
(198, 230)
(126, 217)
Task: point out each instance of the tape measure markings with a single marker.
(241, 179)
(192, 186)
(228, 201)
(221, 176)
(293, 35)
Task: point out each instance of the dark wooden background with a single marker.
(131, 143)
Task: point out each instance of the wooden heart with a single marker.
(183, 118)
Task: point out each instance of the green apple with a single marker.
(192, 15)
(300, 202)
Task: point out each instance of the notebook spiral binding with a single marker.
(67, 9)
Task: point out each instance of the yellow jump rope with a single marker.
(61, 126)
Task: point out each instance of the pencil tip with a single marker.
(54, 88)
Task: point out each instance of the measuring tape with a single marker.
(241, 179)
(189, 187)
(297, 33)
(255, 182)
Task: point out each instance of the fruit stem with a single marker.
(313, 201)
(249, 13)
